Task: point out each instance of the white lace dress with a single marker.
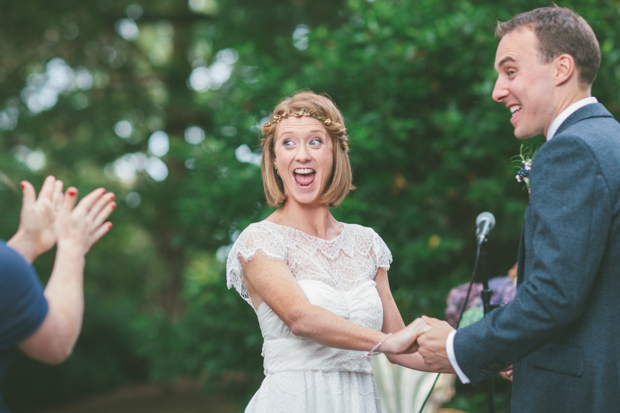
(338, 275)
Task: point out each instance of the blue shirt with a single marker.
(22, 306)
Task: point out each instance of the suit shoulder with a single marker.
(600, 133)
(590, 143)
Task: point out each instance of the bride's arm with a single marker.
(271, 281)
(393, 322)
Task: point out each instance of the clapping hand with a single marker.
(36, 232)
(79, 227)
(53, 217)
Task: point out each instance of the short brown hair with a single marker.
(341, 181)
(560, 30)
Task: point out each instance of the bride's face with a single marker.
(304, 157)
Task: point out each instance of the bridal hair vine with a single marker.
(301, 112)
(523, 162)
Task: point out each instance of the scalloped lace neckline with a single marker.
(344, 227)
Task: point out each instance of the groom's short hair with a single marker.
(560, 30)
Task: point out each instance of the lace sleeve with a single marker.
(254, 238)
(383, 256)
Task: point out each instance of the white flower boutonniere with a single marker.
(523, 162)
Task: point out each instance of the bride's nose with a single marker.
(302, 154)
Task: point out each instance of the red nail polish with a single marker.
(112, 197)
(72, 192)
(23, 185)
(113, 206)
(109, 225)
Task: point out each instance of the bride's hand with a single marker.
(405, 341)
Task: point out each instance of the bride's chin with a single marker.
(303, 199)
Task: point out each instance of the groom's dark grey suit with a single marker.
(562, 332)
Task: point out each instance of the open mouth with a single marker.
(515, 109)
(304, 177)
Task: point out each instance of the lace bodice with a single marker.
(343, 263)
(337, 275)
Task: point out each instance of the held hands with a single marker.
(405, 341)
(433, 346)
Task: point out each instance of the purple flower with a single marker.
(504, 290)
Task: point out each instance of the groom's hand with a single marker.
(433, 345)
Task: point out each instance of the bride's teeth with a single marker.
(514, 108)
(304, 171)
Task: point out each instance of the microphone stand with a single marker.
(486, 295)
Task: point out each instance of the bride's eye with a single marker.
(316, 141)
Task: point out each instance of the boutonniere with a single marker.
(523, 162)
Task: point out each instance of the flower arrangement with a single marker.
(504, 290)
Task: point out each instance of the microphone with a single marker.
(484, 223)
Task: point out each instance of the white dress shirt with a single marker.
(555, 125)
(557, 122)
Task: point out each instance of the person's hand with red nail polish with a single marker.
(80, 226)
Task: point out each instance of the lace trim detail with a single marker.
(344, 262)
(382, 252)
(254, 238)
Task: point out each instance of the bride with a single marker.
(319, 287)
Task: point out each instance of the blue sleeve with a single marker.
(23, 306)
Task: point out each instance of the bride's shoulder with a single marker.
(260, 227)
(370, 243)
(258, 236)
(262, 233)
(361, 231)
(367, 236)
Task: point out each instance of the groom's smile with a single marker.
(515, 111)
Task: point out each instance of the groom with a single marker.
(562, 331)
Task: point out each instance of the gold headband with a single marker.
(302, 112)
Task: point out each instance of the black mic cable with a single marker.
(471, 283)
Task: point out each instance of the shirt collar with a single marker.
(557, 122)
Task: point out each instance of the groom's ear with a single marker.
(564, 69)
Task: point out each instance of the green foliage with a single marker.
(429, 149)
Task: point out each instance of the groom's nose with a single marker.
(500, 91)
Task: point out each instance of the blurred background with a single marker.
(161, 101)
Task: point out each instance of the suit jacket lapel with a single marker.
(595, 110)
